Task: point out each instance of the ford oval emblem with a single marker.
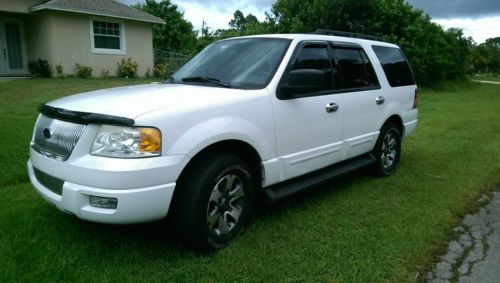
(46, 133)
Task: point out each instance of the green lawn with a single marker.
(357, 229)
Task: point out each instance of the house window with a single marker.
(107, 37)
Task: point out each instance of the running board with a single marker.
(300, 184)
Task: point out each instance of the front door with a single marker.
(12, 51)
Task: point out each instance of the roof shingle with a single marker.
(108, 8)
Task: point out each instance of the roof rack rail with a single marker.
(347, 34)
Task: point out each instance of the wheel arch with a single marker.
(396, 120)
(237, 147)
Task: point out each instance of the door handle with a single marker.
(5, 54)
(331, 107)
(380, 100)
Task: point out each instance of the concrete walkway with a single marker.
(487, 82)
(7, 79)
(474, 256)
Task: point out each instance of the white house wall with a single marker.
(62, 37)
(40, 36)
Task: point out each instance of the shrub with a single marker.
(82, 71)
(148, 73)
(105, 74)
(127, 68)
(59, 70)
(161, 70)
(40, 68)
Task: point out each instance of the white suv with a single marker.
(268, 115)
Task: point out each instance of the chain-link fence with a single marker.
(173, 59)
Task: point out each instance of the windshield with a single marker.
(247, 63)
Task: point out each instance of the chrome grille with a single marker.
(55, 138)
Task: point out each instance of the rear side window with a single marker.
(357, 72)
(396, 68)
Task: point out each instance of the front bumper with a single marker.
(143, 187)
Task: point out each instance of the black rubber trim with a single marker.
(334, 91)
(298, 185)
(348, 34)
(53, 184)
(84, 117)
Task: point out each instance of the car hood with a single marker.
(133, 101)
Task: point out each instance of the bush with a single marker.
(127, 68)
(40, 68)
(161, 70)
(147, 75)
(82, 71)
(105, 74)
(59, 70)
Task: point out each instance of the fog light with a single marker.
(102, 202)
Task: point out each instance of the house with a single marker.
(96, 33)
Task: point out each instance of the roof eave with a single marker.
(49, 7)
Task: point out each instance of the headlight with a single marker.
(126, 142)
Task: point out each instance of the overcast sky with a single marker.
(478, 18)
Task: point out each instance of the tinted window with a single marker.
(357, 72)
(315, 57)
(312, 57)
(396, 68)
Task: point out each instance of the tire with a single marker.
(387, 150)
(214, 201)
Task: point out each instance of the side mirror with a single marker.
(301, 81)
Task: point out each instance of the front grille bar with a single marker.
(56, 138)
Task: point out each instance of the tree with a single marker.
(435, 54)
(486, 56)
(177, 34)
(493, 42)
(493, 45)
(238, 20)
(245, 25)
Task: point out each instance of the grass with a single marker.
(356, 229)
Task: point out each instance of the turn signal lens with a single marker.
(150, 140)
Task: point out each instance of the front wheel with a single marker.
(214, 201)
(387, 150)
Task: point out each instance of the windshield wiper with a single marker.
(207, 80)
(169, 79)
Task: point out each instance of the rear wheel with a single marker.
(387, 150)
(214, 201)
